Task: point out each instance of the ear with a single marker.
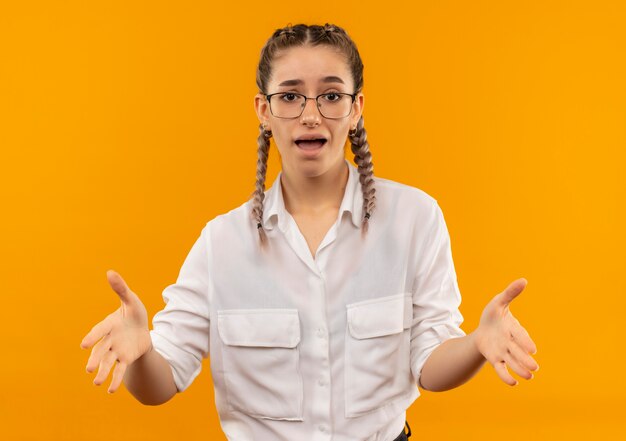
(357, 109)
(262, 108)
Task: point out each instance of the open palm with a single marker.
(502, 340)
(123, 336)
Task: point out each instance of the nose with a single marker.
(310, 114)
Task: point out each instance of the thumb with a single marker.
(119, 286)
(512, 291)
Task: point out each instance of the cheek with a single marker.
(341, 135)
(281, 142)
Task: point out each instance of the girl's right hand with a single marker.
(123, 336)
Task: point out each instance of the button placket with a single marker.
(322, 416)
(321, 333)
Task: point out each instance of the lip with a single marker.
(311, 136)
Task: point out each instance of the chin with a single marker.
(314, 168)
(311, 170)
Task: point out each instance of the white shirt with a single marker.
(324, 348)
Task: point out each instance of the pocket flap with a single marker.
(277, 328)
(381, 316)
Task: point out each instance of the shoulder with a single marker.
(239, 216)
(408, 208)
(228, 234)
(400, 196)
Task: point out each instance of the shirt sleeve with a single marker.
(436, 296)
(181, 330)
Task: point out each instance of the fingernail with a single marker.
(532, 376)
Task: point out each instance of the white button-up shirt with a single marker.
(329, 347)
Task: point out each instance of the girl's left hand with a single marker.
(502, 340)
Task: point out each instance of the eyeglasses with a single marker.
(333, 105)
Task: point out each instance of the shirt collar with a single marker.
(274, 211)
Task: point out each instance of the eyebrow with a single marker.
(330, 79)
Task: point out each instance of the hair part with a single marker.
(335, 37)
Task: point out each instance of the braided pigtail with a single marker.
(363, 158)
(258, 195)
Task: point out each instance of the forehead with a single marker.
(310, 64)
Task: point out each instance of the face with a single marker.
(307, 70)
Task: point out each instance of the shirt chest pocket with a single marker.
(260, 355)
(377, 354)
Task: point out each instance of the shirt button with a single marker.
(322, 429)
(320, 332)
(321, 382)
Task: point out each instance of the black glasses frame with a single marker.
(317, 103)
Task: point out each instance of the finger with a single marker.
(522, 337)
(107, 362)
(119, 286)
(522, 356)
(98, 351)
(96, 333)
(118, 376)
(512, 291)
(503, 373)
(516, 366)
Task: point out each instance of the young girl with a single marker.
(323, 302)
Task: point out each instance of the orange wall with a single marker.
(126, 126)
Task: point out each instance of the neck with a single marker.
(313, 195)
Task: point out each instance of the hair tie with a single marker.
(259, 225)
(367, 215)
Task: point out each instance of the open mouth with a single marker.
(311, 144)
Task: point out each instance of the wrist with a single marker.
(149, 350)
(474, 338)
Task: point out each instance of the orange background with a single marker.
(126, 126)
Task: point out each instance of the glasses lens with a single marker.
(335, 105)
(287, 105)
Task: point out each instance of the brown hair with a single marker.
(314, 35)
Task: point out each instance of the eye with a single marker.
(289, 97)
(332, 97)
